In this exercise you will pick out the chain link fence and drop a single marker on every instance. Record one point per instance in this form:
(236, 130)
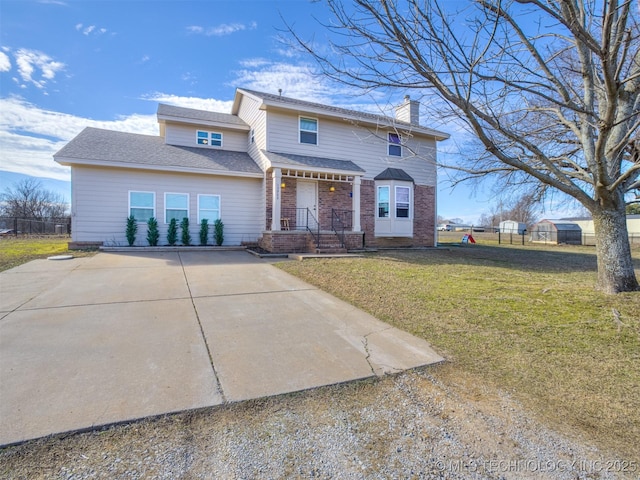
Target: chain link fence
(519, 239)
(15, 226)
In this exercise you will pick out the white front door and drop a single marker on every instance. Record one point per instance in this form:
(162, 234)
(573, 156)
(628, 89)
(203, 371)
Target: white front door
(306, 198)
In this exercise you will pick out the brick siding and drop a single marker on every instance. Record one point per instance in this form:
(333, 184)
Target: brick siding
(340, 199)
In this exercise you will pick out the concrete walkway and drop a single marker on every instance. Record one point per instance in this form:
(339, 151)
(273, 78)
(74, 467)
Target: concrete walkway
(120, 336)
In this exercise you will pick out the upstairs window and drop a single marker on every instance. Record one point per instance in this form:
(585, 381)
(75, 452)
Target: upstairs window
(142, 205)
(395, 147)
(211, 139)
(309, 130)
(176, 205)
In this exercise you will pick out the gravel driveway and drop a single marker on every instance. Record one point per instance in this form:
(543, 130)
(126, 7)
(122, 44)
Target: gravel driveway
(424, 423)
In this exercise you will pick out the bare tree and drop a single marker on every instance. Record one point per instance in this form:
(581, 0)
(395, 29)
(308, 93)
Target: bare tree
(550, 89)
(521, 209)
(28, 199)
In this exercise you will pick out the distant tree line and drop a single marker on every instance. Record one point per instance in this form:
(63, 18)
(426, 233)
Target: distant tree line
(28, 199)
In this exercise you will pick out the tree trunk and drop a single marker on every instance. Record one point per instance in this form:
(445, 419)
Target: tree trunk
(615, 265)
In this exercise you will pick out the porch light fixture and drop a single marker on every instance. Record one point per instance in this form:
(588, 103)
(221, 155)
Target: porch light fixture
(282, 185)
(332, 188)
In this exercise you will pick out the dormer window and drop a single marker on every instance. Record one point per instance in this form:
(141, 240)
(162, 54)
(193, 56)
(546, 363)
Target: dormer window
(309, 130)
(209, 139)
(395, 147)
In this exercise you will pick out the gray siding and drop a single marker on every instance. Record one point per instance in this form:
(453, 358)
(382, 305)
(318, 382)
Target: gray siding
(363, 146)
(250, 112)
(185, 135)
(101, 201)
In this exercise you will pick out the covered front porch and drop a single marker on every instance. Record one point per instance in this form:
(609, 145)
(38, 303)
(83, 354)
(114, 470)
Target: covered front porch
(312, 211)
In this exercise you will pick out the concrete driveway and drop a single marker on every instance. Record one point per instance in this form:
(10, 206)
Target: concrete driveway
(121, 336)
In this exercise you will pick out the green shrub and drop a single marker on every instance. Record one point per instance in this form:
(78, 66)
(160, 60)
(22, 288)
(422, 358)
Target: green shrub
(186, 236)
(204, 231)
(132, 229)
(172, 233)
(152, 232)
(218, 232)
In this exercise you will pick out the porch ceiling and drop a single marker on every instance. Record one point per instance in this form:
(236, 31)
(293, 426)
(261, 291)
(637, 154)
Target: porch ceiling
(333, 177)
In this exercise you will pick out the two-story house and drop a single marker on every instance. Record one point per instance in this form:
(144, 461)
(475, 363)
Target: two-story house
(288, 174)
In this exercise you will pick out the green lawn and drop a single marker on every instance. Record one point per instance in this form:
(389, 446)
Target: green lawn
(15, 251)
(523, 319)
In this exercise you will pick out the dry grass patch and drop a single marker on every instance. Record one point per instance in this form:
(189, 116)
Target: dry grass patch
(524, 320)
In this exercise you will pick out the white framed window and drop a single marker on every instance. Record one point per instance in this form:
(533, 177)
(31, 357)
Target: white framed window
(309, 130)
(176, 205)
(142, 205)
(383, 201)
(208, 207)
(394, 144)
(211, 139)
(403, 201)
(252, 136)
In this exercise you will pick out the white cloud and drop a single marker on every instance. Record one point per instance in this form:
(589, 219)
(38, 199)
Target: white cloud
(29, 135)
(226, 29)
(296, 80)
(30, 62)
(255, 62)
(5, 63)
(90, 29)
(195, 29)
(210, 104)
(221, 30)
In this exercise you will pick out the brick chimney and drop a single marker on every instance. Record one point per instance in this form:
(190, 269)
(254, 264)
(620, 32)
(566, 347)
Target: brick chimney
(409, 111)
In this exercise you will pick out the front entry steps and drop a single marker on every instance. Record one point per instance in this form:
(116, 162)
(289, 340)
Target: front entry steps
(329, 243)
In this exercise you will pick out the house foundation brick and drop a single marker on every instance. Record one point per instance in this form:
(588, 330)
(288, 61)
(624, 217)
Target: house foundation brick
(284, 241)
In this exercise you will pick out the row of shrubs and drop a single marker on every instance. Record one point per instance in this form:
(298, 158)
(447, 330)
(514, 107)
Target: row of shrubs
(153, 234)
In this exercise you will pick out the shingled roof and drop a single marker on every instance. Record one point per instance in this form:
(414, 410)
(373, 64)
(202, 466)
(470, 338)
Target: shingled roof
(205, 116)
(312, 107)
(394, 174)
(94, 146)
(300, 161)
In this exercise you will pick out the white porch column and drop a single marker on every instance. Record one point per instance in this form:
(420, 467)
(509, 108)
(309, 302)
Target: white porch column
(276, 199)
(355, 199)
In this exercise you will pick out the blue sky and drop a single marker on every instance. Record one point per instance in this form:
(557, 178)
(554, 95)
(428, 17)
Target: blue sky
(65, 65)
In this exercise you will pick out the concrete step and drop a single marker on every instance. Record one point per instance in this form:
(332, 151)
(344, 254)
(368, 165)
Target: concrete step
(330, 250)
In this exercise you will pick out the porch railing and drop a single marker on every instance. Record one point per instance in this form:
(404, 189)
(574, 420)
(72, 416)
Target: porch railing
(303, 219)
(341, 221)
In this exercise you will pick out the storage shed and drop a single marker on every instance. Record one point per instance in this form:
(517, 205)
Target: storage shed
(511, 226)
(552, 231)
